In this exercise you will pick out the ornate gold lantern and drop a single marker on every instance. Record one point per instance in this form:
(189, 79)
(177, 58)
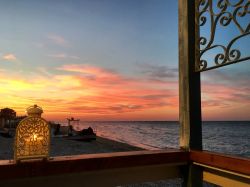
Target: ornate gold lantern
(32, 138)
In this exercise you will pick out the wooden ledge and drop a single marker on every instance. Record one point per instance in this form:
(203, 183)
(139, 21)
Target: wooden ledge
(221, 161)
(91, 162)
(105, 161)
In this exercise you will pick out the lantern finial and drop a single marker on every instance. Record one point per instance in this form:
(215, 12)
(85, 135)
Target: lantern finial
(34, 110)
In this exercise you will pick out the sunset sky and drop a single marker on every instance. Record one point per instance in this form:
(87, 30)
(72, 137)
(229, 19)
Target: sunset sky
(106, 60)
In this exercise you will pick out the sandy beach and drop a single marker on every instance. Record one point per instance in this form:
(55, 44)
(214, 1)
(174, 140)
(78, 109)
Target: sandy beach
(62, 146)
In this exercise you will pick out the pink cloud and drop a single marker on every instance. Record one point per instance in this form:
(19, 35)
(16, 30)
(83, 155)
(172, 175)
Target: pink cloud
(225, 102)
(84, 68)
(2, 70)
(89, 72)
(9, 57)
(116, 93)
(57, 39)
(64, 56)
(91, 92)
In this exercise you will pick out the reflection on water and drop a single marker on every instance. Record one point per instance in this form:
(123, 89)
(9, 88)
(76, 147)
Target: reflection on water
(225, 137)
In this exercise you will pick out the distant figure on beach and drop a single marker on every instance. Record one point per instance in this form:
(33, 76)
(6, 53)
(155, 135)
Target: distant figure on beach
(57, 130)
(70, 133)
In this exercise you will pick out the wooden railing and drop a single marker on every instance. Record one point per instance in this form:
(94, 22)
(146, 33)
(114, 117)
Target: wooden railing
(222, 170)
(112, 169)
(107, 169)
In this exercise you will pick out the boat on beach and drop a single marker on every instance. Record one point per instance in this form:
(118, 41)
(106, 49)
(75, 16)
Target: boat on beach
(69, 132)
(83, 135)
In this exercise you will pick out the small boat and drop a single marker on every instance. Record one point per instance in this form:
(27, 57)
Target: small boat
(80, 135)
(70, 133)
(83, 135)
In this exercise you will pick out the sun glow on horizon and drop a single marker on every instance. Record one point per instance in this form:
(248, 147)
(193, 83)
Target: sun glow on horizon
(104, 60)
(88, 93)
(109, 95)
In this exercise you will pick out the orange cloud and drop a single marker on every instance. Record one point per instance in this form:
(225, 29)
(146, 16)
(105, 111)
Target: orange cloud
(9, 57)
(88, 92)
(94, 93)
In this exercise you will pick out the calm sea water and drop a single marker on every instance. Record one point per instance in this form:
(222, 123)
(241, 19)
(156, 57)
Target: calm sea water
(224, 137)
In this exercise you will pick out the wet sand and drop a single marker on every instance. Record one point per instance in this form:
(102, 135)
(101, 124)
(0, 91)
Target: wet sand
(61, 146)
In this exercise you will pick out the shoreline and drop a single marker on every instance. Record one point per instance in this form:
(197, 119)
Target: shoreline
(62, 147)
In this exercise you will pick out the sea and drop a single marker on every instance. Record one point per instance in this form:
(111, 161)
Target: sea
(228, 137)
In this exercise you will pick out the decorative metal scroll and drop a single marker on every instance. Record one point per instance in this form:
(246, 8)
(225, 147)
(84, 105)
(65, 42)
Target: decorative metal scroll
(32, 139)
(226, 13)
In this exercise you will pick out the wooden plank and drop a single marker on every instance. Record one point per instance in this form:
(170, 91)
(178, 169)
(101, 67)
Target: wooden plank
(91, 162)
(225, 179)
(229, 163)
(103, 178)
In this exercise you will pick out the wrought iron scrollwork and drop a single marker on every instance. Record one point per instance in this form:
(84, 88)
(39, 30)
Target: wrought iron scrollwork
(227, 13)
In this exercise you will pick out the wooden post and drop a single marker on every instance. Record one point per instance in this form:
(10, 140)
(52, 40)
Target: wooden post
(189, 89)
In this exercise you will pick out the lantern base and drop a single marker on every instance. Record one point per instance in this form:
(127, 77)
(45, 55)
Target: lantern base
(31, 159)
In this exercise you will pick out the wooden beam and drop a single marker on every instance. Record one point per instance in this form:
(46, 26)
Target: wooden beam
(189, 80)
(230, 163)
(189, 89)
(224, 179)
(103, 178)
(91, 162)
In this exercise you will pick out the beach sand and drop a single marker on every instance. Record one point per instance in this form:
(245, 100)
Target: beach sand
(62, 146)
